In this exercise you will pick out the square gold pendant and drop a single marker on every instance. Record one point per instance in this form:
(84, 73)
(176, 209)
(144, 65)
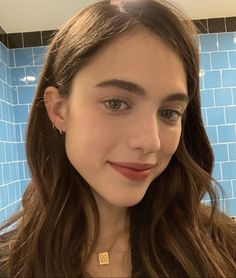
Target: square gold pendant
(103, 258)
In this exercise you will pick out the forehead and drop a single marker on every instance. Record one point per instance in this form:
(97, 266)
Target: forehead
(139, 56)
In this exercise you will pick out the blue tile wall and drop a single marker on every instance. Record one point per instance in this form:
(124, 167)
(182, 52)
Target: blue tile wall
(218, 100)
(19, 73)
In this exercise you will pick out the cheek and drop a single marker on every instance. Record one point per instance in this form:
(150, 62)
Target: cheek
(170, 141)
(90, 135)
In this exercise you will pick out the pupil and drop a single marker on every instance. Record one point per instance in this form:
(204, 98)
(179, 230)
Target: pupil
(115, 104)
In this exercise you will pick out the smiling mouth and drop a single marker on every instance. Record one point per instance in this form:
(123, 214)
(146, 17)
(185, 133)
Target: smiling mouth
(140, 172)
(134, 165)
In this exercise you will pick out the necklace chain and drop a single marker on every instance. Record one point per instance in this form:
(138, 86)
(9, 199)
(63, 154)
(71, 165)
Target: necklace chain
(103, 257)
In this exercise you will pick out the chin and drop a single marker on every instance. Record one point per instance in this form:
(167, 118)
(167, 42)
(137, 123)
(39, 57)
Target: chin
(126, 201)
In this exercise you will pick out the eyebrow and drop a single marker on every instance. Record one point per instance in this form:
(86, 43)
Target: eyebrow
(138, 90)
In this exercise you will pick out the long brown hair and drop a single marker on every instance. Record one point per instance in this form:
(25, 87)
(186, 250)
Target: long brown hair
(173, 234)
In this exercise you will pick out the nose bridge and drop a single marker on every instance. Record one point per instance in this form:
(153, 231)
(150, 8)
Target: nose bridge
(146, 134)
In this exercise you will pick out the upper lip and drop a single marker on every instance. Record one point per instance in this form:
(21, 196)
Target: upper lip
(134, 165)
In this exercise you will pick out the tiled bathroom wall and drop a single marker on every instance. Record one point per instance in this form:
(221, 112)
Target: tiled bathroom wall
(218, 98)
(10, 176)
(19, 71)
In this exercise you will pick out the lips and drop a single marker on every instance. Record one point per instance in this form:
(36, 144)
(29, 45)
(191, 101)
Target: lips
(133, 171)
(134, 166)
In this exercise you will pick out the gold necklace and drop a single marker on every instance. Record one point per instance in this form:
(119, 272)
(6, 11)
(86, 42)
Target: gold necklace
(103, 257)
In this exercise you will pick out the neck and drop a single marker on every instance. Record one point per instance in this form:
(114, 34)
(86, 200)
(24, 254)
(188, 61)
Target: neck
(113, 220)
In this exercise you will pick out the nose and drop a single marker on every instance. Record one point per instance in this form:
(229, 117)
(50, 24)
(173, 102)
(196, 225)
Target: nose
(145, 135)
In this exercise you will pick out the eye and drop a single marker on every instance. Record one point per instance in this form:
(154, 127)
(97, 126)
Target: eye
(116, 104)
(170, 114)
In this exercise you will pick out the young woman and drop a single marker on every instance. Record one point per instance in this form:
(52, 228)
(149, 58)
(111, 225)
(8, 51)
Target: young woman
(118, 155)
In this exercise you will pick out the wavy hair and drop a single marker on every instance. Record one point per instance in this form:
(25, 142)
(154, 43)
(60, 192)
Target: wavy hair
(172, 233)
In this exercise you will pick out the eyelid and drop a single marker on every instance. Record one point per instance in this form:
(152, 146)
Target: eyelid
(121, 100)
(179, 114)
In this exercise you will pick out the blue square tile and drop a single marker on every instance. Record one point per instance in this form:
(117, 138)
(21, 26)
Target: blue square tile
(18, 193)
(21, 113)
(14, 171)
(217, 171)
(9, 153)
(212, 134)
(11, 132)
(227, 133)
(227, 41)
(232, 59)
(229, 78)
(219, 60)
(12, 58)
(10, 210)
(232, 207)
(230, 113)
(39, 50)
(226, 186)
(18, 133)
(14, 96)
(3, 217)
(2, 152)
(21, 170)
(25, 94)
(208, 42)
(6, 172)
(1, 180)
(223, 97)
(3, 131)
(205, 62)
(5, 111)
(212, 79)
(7, 93)
(4, 195)
(220, 152)
(32, 74)
(229, 170)
(3, 76)
(24, 57)
(39, 60)
(234, 188)
(207, 98)
(18, 76)
(215, 116)
(5, 55)
(8, 75)
(12, 115)
(14, 152)
(234, 94)
(12, 193)
(232, 151)
(21, 151)
(23, 131)
(1, 116)
(14, 149)
(1, 90)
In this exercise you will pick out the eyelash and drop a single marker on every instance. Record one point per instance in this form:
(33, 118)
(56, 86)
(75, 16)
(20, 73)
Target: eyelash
(115, 99)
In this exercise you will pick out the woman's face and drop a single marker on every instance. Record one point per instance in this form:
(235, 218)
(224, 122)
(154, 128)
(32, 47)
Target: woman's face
(125, 107)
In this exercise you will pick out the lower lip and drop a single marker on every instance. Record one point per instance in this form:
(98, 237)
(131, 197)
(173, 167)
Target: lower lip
(131, 174)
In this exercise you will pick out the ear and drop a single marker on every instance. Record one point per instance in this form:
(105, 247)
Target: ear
(56, 107)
